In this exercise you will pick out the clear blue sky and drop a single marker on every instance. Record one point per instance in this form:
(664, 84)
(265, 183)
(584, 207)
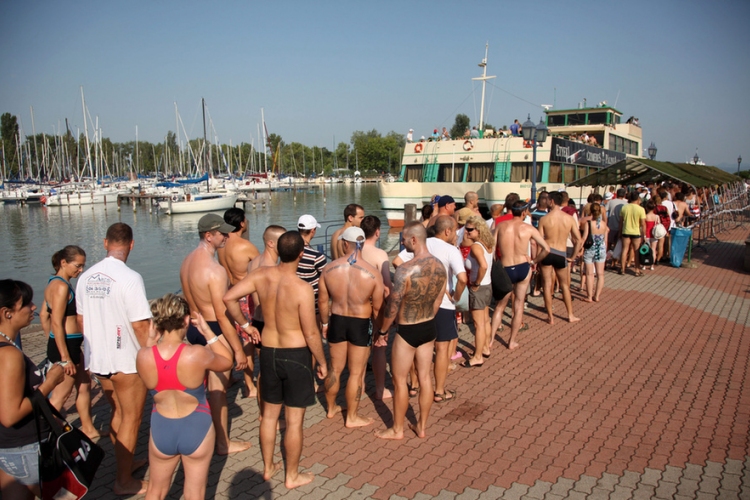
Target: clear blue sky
(325, 69)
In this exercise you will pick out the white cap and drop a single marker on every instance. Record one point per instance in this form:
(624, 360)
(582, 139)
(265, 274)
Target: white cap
(608, 195)
(411, 130)
(307, 222)
(353, 234)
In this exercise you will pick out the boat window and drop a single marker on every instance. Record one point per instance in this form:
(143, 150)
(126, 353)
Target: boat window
(481, 172)
(569, 172)
(520, 171)
(556, 120)
(413, 173)
(597, 118)
(446, 169)
(577, 119)
(555, 172)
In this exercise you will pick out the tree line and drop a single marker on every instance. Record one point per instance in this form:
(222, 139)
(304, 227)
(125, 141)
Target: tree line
(57, 157)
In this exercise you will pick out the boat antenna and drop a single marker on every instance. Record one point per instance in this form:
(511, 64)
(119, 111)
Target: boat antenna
(483, 79)
(205, 153)
(617, 99)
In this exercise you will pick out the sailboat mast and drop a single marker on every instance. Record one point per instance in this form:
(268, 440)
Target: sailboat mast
(86, 129)
(205, 152)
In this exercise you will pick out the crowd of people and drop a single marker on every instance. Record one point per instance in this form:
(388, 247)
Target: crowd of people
(270, 313)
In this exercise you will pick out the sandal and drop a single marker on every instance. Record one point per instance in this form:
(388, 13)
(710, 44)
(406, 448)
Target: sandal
(413, 392)
(524, 327)
(447, 396)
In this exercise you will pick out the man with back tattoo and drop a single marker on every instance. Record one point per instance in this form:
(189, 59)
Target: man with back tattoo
(418, 289)
(356, 292)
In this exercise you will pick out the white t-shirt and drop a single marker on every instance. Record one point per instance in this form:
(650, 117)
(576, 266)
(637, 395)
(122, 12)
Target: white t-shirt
(670, 209)
(111, 297)
(451, 258)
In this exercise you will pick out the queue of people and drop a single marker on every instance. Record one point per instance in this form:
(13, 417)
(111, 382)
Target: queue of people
(281, 305)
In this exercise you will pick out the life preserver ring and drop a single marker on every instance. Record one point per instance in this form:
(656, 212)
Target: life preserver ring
(468, 145)
(528, 144)
(418, 148)
(175, 197)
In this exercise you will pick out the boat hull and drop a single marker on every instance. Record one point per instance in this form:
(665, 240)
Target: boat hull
(199, 205)
(81, 198)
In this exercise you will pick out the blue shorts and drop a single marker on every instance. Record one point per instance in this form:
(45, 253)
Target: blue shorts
(22, 463)
(445, 324)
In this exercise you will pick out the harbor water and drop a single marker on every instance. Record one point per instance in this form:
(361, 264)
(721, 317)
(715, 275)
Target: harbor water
(29, 235)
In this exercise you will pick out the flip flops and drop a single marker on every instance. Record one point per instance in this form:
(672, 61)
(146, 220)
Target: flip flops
(445, 397)
(413, 392)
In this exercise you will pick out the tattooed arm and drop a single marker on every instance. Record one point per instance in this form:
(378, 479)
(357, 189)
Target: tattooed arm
(393, 304)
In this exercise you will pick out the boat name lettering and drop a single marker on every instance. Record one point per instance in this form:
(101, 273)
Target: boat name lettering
(562, 151)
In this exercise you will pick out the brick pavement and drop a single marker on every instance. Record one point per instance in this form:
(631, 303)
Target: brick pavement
(647, 397)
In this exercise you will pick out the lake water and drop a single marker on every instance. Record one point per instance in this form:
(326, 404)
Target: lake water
(29, 235)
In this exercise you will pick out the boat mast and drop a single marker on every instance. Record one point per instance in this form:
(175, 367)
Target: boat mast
(86, 130)
(483, 79)
(205, 152)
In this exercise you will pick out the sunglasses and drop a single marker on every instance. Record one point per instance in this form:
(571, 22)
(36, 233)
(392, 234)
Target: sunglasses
(470, 229)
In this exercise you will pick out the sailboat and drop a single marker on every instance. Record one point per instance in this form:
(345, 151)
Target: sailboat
(193, 199)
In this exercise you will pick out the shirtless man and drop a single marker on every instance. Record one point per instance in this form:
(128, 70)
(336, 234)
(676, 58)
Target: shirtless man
(204, 282)
(377, 258)
(356, 292)
(681, 208)
(443, 247)
(513, 237)
(418, 289)
(290, 340)
(236, 256)
(556, 227)
(268, 258)
(353, 215)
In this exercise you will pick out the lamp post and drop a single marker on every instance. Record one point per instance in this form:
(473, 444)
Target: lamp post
(652, 151)
(739, 160)
(536, 134)
(696, 158)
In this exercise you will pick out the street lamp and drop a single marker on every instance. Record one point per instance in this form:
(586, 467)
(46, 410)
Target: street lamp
(652, 151)
(739, 160)
(536, 134)
(696, 158)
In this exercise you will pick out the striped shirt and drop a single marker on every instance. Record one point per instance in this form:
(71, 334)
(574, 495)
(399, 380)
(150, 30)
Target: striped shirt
(310, 268)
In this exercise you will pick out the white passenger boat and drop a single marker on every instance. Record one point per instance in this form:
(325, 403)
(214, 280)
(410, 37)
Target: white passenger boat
(580, 141)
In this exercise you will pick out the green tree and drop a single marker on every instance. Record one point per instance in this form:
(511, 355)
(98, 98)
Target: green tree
(460, 125)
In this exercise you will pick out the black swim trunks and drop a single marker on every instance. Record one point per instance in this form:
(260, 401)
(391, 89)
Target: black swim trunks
(286, 376)
(556, 259)
(518, 273)
(419, 334)
(356, 331)
(74, 345)
(196, 338)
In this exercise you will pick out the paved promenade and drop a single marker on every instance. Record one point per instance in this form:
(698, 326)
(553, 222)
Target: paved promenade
(647, 397)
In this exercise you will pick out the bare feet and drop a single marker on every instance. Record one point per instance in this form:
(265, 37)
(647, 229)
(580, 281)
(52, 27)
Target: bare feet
(551, 320)
(135, 487)
(249, 392)
(596, 299)
(512, 345)
(352, 422)
(389, 434)
(269, 473)
(387, 394)
(93, 434)
(588, 299)
(234, 447)
(300, 480)
(419, 432)
(573, 319)
(332, 412)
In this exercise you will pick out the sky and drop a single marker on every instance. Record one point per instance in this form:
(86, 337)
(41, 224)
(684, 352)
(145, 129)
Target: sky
(322, 70)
